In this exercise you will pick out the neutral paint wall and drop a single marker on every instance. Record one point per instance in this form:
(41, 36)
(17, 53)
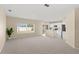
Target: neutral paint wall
(77, 28)
(69, 35)
(13, 21)
(2, 28)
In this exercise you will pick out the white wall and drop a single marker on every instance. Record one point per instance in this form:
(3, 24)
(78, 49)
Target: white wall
(2, 28)
(69, 35)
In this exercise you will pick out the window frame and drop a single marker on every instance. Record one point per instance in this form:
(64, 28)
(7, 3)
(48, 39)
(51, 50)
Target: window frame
(21, 24)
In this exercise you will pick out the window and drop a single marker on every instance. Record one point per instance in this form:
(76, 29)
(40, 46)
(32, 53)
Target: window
(25, 28)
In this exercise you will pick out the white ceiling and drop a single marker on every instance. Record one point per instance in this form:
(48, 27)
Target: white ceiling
(38, 11)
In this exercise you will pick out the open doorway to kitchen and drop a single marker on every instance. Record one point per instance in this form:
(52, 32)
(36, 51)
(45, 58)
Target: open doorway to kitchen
(57, 28)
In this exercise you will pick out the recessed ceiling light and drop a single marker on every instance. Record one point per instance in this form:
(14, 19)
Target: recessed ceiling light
(47, 5)
(10, 10)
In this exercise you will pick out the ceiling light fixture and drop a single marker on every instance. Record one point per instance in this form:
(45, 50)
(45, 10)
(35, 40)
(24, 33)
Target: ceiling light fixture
(10, 10)
(47, 5)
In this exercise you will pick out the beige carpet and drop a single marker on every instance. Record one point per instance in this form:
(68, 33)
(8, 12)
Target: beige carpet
(38, 45)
